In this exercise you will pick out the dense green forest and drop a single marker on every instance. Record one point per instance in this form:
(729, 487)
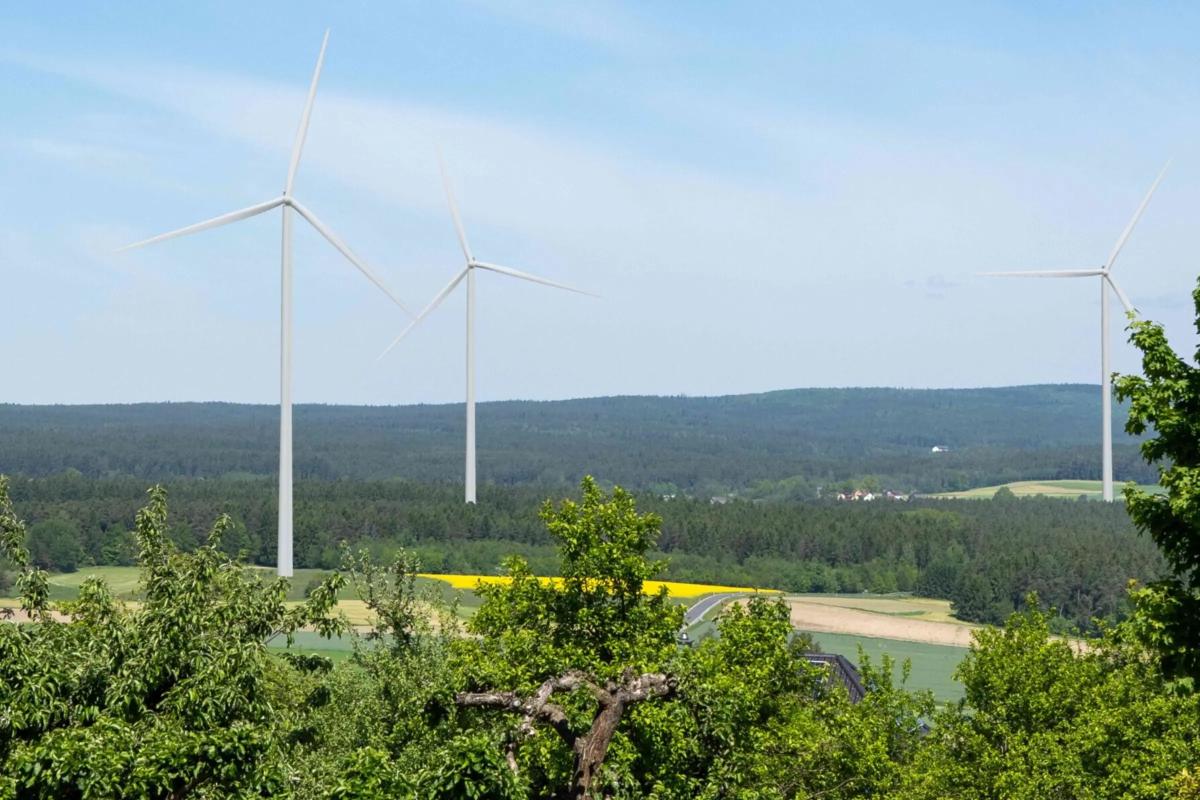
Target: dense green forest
(777, 445)
(983, 555)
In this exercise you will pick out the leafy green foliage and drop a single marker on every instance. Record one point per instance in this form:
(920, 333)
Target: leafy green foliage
(1044, 718)
(593, 638)
(753, 719)
(55, 544)
(597, 618)
(747, 715)
(382, 733)
(391, 595)
(571, 689)
(175, 698)
(1167, 400)
(472, 767)
(32, 582)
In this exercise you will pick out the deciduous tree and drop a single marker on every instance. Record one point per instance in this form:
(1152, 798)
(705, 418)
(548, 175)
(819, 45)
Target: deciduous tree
(572, 656)
(174, 698)
(1165, 400)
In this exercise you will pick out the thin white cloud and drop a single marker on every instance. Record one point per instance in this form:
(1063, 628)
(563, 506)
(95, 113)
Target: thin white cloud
(77, 152)
(512, 176)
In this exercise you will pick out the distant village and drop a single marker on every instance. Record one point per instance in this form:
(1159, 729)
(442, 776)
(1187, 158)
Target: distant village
(868, 490)
(861, 496)
(845, 495)
(869, 495)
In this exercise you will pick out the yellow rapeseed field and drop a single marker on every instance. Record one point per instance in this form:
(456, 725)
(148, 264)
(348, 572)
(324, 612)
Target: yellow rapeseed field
(675, 589)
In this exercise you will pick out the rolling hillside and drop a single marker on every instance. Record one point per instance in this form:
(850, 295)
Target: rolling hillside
(776, 444)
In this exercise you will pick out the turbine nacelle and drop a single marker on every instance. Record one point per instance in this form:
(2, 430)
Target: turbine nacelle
(471, 264)
(468, 272)
(286, 201)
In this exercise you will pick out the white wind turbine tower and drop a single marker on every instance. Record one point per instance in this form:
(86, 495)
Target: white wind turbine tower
(1104, 273)
(287, 202)
(468, 272)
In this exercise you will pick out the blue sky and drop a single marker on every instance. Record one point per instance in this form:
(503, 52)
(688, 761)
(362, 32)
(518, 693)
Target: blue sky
(766, 195)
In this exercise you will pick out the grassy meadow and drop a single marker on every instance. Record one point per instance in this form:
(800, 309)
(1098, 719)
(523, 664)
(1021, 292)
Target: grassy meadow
(933, 665)
(916, 629)
(891, 605)
(1069, 489)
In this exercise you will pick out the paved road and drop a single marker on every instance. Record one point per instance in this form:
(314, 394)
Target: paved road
(696, 611)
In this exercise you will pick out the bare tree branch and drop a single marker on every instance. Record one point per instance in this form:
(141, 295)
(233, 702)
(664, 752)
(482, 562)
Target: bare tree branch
(591, 748)
(537, 707)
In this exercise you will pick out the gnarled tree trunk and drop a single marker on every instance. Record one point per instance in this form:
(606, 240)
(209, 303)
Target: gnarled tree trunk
(591, 747)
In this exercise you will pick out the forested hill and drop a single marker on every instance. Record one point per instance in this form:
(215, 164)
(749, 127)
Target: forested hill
(780, 444)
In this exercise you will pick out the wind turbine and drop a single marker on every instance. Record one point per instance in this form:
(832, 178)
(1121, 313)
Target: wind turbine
(288, 203)
(468, 272)
(1104, 273)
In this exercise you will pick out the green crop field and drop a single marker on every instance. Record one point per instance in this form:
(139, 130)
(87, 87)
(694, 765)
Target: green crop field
(309, 643)
(123, 582)
(932, 665)
(1070, 490)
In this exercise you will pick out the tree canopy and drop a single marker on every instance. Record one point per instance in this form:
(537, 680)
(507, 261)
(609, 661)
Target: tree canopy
(175, 698)
(1166, 401)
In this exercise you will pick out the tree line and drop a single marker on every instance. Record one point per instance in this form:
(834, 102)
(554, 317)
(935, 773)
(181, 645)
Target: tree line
(985, 556)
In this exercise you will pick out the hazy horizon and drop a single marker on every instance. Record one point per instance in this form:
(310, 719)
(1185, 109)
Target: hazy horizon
(677, 395)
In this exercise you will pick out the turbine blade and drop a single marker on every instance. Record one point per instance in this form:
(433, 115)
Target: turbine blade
(1124, 298)
(437, 301)
(215, 222)
(302, 133)
(1047, 273)
(1137, 215)
(525, 276)
(458, 225)
(341, 247)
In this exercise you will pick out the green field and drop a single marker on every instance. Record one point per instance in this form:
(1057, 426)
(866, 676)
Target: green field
(932, 665)
(308, 642)
(1071, 490)
(123, 582)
